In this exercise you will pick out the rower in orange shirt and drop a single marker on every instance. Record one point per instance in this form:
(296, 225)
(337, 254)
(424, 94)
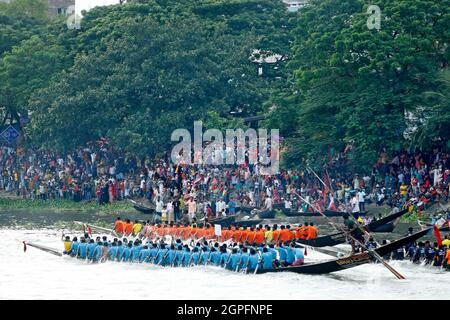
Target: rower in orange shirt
(252, 236)
(259, 238)
(276, 234)
(284, 234)
(312, 232)
(246, 235)
(305, 230)
(226, 234)
(291, 233)
(237, 235)
(128, 228)
(119, 226)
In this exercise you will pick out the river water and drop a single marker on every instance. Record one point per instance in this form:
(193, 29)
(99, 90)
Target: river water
(38, 275)
(35, 274)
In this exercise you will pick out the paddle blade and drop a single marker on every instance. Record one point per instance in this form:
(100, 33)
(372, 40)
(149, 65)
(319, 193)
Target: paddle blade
(24, 246)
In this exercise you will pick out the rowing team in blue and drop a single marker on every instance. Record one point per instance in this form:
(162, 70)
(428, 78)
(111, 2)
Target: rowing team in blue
(244, 257)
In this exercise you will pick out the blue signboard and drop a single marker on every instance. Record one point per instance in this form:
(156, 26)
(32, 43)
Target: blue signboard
(10, 134)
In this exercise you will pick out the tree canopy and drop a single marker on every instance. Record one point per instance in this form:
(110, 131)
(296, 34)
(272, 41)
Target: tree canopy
(135, 72)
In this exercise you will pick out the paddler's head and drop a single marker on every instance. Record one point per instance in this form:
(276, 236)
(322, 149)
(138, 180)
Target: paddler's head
(67, 238)
(91, 241)
(130, 244)
(105, 244)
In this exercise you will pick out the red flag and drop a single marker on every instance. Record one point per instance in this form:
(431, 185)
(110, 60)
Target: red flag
(24, 246)
(89, 231)
(419, 212)
(437, 235)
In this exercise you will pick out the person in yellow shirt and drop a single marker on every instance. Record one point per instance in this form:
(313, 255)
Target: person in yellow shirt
(403, 189)
(268, 235)
(67, 245)
(137, 227)
(446, 242)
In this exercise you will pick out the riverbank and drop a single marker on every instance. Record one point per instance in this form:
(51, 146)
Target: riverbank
(8, 204)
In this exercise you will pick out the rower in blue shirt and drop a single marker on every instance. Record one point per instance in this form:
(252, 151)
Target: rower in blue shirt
(97, 252)
(144, 254)
(127, 252)
(119, 252)
(215, 257)
(135, 252)
(82, 249)
(267, 262)
(195, 256)
(74, 247)
(253, 260)
(242, 264)
(161, 255)
(204, 256)
(112, 252)
(90, 249)
(283, 254)
(299, 256)
(179, 255)
(290, 256)
(234, 260)
(186, 257)
(153, 252)
(224, 256)
(171, 256)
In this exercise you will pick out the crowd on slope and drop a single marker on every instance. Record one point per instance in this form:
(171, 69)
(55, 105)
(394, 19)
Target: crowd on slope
(99, 172)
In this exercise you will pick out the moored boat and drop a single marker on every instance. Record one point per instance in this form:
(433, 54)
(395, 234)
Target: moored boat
(325, 241)
(247, 223)
(269, 214)
(141, 208)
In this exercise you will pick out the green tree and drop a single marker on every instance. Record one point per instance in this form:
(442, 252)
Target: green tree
(359, 84)
(145, 68)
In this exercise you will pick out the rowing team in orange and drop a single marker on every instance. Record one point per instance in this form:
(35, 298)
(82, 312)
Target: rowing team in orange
(256, 234)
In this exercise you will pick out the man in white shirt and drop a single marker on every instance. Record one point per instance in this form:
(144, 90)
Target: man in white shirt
(355, 204)
(287, 204)
(362, 200)
(220, 208)
(192, 209)
(268, 204)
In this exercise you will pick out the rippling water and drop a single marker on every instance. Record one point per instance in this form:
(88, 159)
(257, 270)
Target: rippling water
(39, 275)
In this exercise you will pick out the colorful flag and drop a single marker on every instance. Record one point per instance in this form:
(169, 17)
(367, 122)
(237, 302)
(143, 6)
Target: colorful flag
(437, 234)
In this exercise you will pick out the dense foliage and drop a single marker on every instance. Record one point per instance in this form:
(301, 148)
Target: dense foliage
(135, 72)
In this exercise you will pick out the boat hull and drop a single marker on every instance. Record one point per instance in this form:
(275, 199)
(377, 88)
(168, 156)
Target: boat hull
(348, 262)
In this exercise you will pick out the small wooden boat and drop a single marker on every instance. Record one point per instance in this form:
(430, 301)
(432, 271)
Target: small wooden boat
(325, 241)
(246, 209)
(269, 214)
(247, 223)
(384, 228)
(224, 222)
(386, 224)
(141, 208)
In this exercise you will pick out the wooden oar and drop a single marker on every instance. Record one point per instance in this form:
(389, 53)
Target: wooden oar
(371, 252)
(44, 248)
(110, 231)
